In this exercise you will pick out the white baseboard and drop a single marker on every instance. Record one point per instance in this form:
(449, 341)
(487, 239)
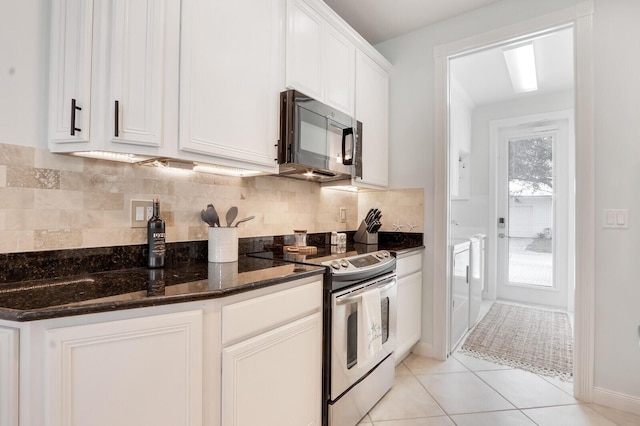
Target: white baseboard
(425, 349)
(617, 400)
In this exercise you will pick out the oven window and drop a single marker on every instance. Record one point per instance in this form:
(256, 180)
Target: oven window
(352, 331)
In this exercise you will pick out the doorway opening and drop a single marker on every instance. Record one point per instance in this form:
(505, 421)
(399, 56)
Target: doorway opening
(512, 171)
(581, 18)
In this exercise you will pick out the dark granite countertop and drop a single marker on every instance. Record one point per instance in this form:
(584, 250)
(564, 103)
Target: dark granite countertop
(42, 285)
(142, 287)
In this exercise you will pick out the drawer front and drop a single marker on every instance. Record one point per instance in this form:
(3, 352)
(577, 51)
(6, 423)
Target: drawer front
(410, 264)
(250, 317)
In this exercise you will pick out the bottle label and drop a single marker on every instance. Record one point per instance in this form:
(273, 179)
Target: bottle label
(158, 243)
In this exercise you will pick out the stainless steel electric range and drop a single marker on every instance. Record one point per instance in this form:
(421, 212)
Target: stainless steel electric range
(353, 384)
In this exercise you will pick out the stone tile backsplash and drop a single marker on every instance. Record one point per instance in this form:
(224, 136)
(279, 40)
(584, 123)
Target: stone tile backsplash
(52, 201)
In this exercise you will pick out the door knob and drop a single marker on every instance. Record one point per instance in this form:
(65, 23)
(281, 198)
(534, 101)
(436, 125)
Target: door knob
(501, 235)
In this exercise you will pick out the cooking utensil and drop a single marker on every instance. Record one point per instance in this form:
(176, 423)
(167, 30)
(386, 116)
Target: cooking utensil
(244, 220)
(206, 218)
(232, 213)
(212, 215)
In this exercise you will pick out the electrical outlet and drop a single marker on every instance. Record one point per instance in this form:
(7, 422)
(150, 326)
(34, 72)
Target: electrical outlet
(141, 212)
(343, 214)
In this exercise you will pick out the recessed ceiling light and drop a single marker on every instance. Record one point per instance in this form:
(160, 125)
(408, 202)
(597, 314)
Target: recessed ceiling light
(521, 64)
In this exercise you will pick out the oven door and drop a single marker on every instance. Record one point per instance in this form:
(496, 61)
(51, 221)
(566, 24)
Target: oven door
(346, 305)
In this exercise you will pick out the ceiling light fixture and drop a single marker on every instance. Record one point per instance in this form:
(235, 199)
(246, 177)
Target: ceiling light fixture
(521, 64)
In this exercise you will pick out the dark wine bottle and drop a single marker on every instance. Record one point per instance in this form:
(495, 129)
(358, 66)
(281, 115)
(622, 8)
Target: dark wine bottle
(155, 238)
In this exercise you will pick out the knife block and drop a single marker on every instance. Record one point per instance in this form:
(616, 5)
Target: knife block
(364, 237)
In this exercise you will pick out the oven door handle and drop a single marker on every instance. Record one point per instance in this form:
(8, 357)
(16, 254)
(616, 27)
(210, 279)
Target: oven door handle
(357, 295)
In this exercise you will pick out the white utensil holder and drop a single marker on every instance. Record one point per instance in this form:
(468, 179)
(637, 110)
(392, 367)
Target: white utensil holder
(222, 275)
(223, 244)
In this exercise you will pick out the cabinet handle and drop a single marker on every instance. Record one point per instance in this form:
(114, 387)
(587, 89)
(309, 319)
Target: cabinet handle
(74, 108)
(116, 123)
(347, 153)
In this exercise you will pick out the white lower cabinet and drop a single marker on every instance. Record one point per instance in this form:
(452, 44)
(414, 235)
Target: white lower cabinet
(272, 376)
(141, 371)
(253, 358)
(9, 364)
(409, 319)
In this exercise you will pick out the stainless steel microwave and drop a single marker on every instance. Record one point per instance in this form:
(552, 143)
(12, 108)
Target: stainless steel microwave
(317, 142)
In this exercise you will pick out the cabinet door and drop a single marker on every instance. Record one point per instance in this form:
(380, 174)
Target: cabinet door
(339, 73)
(275, 378)
(9, 360)
(229, 80)
(70, 70)
(142, 371)
(304, 41)
(409, 320)
(372, 109)
(144, 71)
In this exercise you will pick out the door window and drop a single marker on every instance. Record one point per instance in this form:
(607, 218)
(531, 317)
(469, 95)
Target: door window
(530, 211)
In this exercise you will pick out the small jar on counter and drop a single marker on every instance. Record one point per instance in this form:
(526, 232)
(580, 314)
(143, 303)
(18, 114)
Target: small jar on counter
(300, 238)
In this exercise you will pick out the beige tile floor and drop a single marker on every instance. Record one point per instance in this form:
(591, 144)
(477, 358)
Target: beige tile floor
(466, 391)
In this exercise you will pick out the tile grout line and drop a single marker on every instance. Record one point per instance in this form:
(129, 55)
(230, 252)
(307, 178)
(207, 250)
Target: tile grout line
(429, 393)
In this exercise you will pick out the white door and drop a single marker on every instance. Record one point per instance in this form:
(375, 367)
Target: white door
(70, 71)
(372, 109)
(304, 49)
(133, 372)
(144, 72)
(533, 214)
(9, 367)
(230, 81)
(339, 71)
(275, 378)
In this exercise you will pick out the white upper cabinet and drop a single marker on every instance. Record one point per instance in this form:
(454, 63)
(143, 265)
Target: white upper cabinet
(372, 109)
(118, 61)
(194, 80)
(199, 80)
(144, 71)
(230, 68)
(304, 41)
(320, 60)
(327, 60)
(340, 56)
(70, 71)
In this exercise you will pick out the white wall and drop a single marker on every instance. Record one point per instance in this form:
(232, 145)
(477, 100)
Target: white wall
(617, 138)
(24, 28)
(617, 130)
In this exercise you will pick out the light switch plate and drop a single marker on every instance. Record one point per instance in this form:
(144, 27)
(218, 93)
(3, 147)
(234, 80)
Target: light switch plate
(615, 218)
(343, 214)
(141, 212)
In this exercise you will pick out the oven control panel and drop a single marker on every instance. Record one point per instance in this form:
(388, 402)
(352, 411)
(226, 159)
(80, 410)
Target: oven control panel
(360, 263)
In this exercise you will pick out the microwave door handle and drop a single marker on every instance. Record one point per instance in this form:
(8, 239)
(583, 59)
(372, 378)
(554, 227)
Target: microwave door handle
(347, 132)
(354, 297)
